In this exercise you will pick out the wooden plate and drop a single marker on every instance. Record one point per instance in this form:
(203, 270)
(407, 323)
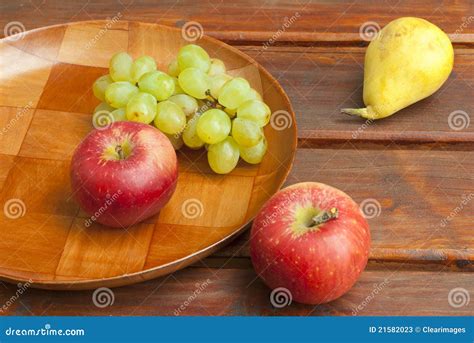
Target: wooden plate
(45, 110)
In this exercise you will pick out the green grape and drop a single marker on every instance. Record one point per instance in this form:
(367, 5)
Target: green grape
(193, 56)
(100, 85)
(170, 118)
(120, 67)
(173, 68)
(217, 67)
(177, 87)
(190, 136)
(213, 126)
(119, 93)
(233, 92)
(119, 114)
(194, 82)
(254, 154)
(158, 84)
(223, 156)
(216, 82)
(252, 94)
(103, 106)
(255, 110)
(141, 66)
(176, 140)
(141, 108)
(246, 132)
(187, 103)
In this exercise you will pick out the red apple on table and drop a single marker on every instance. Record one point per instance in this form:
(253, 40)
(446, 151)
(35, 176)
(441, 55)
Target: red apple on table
(124, 173)
(311, 239)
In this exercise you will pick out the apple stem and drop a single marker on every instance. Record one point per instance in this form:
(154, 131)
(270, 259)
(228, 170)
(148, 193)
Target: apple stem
(325, 216)
(119, 151)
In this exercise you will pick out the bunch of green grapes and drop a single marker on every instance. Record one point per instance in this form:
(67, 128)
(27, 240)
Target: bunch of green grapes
(196, 104)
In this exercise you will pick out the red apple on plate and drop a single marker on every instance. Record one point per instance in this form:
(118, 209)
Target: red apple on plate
(311, 239)
(123, 173)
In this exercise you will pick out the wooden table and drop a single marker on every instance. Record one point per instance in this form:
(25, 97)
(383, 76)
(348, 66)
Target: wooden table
(414, 166)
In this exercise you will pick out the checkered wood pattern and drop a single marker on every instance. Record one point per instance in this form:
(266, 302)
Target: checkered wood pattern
(45, 110)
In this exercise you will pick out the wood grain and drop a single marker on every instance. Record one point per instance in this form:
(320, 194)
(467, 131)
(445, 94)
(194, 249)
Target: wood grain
(9, 117)
(91, 44)
(42, 135)
(250, 21)
(320, 81)
(21, 84)
(46, 142)
(91, 253)
(73, 83)
(203, 291)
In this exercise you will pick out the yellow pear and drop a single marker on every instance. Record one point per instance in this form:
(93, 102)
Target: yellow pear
(408, 61)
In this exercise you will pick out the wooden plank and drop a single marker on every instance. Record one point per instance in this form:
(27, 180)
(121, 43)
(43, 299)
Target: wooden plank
(424, 200)
(254, 22)
(244, 262)
(200, 291)
(320, 81)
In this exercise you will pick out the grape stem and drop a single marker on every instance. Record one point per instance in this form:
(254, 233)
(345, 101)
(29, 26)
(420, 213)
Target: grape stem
(210, 103)
(208, 93)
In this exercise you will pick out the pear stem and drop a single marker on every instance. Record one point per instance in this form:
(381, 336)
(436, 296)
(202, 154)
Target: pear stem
(366, 112)
(360, 112)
